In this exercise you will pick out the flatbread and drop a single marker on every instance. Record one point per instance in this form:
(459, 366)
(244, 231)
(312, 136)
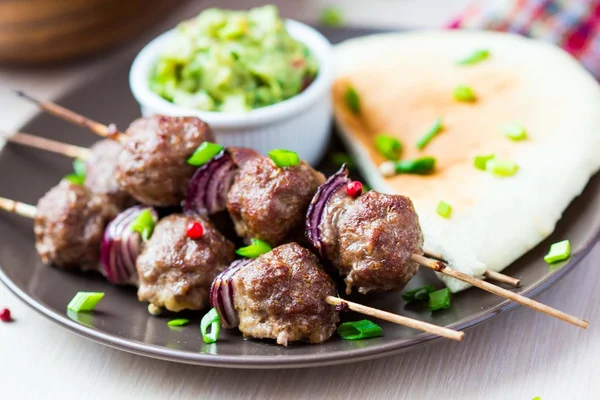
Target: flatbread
(406, 80)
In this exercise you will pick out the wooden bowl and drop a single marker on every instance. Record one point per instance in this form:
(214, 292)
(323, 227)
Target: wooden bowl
(45, 31)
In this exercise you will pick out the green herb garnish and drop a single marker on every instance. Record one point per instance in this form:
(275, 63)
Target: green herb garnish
(444, 209)
(204, 153)
(480, 162)
(331, 16)
(79, 176)
(340, 159)
(388, 146)
(433, 131)
(440, 299)
(359, 330)
(418, 294)
(465, 94)
(257, 248)
(420, 166)
(558, 252)
(144, 224)
(211, 320)
(476, 57)
(515, 131)
(85, 301)
(352, 100)
(501, 168)
(284, 158)
(178, 322)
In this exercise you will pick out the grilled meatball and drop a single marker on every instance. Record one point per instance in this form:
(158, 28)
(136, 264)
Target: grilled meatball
(281, 295)
(370, 240)
(100, 172)
(152, 166)
(175, 271)
(69, 226)
(268, 202)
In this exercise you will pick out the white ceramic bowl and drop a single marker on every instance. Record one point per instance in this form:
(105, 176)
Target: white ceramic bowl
(301, 123)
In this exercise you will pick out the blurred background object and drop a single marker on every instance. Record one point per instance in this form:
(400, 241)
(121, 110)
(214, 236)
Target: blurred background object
(47, 31)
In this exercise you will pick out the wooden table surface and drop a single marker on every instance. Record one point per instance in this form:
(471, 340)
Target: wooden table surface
(518, 355)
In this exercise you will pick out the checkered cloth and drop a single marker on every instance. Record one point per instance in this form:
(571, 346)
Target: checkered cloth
(572, 24)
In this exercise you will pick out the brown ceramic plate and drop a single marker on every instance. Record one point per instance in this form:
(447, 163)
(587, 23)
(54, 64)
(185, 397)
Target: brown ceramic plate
(122, 322)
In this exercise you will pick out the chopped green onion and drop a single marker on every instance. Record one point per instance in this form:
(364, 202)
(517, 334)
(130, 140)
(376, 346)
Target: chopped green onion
(481, 161)
(85, 301)
(359, 330)
(331, 16)
(76, 179)
(284, 158)
(204, 153)
(515, 131)
(79, 167)
(211, 320)
(352, 100)
(340, 159)
(444, 209)
(440, 299)
(257, 248)
(558, 252)
(475, 57)
(418, 294)
(388, 146)
(143, 224)
(420, 166)
(464, 93)
(501, 167)
(178, 322)
(433, 131)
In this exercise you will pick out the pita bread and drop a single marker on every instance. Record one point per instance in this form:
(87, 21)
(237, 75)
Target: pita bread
(405, 81)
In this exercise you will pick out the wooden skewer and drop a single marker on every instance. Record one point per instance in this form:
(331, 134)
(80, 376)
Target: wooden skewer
(493, 275)
(440, 267)
(25, 210)
(51, 145)
(397, 319)
(110, 131)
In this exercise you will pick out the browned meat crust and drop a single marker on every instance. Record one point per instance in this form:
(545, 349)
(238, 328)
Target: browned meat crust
(281, 295)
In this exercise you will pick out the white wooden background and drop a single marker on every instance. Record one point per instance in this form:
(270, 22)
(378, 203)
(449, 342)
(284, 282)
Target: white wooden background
(516, 356)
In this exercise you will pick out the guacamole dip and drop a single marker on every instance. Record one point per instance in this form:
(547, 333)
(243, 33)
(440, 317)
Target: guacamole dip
(233, 61)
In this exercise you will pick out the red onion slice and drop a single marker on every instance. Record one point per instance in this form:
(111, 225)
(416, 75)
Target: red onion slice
(222, 294)
(121, 247)
(208, 187)
(316, 210)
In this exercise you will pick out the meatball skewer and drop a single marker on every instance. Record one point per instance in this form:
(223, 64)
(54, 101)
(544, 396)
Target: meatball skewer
(375, 242)
(152, 165)
(100, 163)
(285, 295)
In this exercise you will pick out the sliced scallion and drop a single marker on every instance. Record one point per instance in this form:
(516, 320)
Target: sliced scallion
(515, 131)
(352, 100)
(143, 224)
(255, 249)
(211, 320)
(480, 162)
(501, 168)
(178, 322)
(559, 251)
(440, 299)
(444, 209)
(419, 166)
(78, 177)
(85, 301)
(359, 330)
(331, 16)
(284, 158)
(433, 131)
(340, 159)
(476, 57)
(464, 93)
(388, 146)
(204, 153)
(418, 294)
